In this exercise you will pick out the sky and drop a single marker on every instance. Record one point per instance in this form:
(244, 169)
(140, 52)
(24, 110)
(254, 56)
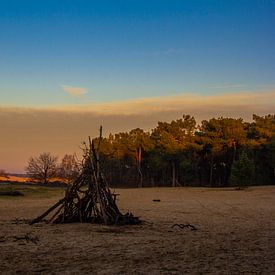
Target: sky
(67, 66)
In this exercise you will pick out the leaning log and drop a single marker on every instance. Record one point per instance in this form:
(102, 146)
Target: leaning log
(45, 214)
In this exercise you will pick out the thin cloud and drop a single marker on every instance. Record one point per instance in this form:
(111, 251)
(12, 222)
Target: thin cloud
(186, 102)
(74, 91)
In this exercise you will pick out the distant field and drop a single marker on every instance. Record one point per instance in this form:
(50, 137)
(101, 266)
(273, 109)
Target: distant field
(13, 179)
(236, 234)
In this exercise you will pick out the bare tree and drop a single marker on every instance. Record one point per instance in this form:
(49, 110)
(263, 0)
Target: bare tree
(3, 173)
(69, 168)
(42, 168)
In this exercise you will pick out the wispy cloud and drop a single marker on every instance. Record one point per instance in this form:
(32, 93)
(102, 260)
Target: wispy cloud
(229, 104)
(74, 91)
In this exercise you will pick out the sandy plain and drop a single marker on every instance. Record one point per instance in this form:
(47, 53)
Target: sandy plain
(236, 235)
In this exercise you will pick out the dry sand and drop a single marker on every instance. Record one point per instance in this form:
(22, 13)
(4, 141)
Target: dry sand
(236, 234)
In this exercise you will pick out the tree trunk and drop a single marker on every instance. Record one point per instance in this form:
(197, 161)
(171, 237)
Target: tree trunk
(211, 172)
(173, 174)
(140, 183)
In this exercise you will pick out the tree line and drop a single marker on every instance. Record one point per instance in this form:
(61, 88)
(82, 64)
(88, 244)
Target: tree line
(218, 152)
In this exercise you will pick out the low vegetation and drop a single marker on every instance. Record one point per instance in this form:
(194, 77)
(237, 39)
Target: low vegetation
(13, 193)
(29, 191)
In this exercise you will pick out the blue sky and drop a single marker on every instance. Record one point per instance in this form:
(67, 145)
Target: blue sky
(79, 64)
(120, 50)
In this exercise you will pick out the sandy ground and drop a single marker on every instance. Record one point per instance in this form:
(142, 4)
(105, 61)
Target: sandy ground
(236, 234)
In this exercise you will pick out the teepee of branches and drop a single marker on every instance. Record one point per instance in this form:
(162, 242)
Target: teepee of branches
(89, 198)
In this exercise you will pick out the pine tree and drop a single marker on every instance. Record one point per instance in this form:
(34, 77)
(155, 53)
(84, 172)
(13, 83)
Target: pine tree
(242, 171)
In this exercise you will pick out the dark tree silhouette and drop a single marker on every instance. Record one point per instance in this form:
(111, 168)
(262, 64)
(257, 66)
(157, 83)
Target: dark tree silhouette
(69, 168)
(242, 171)
(42, 168)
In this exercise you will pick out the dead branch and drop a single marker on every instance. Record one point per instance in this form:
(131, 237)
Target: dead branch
(182, 226)
(39, 218)
(28, 237)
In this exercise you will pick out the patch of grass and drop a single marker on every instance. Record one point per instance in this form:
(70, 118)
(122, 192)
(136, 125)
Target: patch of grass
(30, 191)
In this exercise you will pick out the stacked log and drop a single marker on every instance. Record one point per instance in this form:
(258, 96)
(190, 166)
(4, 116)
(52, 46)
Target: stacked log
(89, 198)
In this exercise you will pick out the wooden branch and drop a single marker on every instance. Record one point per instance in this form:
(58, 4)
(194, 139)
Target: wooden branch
(38, 219)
